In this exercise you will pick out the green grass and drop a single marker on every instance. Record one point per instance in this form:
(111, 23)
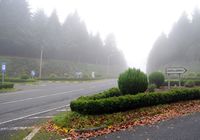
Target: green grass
(73, 120)
(19, 135)
(43, 135)
(8, 90)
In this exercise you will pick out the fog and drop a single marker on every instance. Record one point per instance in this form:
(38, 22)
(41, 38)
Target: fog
(135, 24)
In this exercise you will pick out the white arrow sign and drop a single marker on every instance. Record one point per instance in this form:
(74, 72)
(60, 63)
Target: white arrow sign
(175, 70)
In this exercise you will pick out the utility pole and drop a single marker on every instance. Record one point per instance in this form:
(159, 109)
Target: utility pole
(41, 59)
(108, 63)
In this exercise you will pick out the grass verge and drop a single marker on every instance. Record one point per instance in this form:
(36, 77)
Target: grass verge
(8, 90)
(74, 125)
(19, 135)
(44, 135)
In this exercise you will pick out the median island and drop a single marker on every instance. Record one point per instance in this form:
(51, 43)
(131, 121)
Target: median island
(135, 102)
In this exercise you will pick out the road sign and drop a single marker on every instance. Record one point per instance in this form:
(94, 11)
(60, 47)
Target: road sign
(175, 70)
(3, 67)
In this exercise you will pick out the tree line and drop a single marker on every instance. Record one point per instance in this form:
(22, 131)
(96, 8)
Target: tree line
(181, 47)
(24, 34)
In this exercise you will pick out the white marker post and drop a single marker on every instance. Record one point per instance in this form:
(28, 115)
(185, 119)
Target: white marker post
(3, 69)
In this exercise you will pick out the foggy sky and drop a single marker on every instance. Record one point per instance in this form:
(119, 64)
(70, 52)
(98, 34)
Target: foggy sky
(136, 24)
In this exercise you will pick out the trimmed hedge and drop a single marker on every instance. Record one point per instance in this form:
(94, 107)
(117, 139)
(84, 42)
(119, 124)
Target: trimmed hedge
(68, 79)
(127, 102)
(6, 85)
(113, 92)
(176, 82)
(18, 80)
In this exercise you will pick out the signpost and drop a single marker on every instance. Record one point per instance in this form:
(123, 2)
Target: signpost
(175, 70)
(3, 70)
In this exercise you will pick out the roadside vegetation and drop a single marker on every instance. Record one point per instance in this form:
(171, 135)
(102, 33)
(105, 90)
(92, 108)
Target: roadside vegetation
(135, 102)
(6, 87)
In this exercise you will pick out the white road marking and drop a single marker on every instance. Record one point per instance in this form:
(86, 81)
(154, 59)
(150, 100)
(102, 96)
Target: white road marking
(40, 97)
(62, 110)
(15, 128)
(34, 114)
(32, 134)
(40, 117)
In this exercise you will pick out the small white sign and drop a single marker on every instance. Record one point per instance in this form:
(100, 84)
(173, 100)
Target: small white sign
(3, 67)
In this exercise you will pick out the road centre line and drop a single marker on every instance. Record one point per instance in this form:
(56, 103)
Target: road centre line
(40, 97)
(55, 94)
(14, 128)
(34, 114)
(40, 117)
(41, 112)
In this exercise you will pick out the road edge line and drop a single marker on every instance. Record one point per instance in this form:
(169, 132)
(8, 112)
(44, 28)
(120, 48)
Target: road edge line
(32, 134)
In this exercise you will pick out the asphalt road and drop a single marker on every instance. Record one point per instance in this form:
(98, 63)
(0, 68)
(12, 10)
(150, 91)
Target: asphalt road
(43, 98)
(181, 128)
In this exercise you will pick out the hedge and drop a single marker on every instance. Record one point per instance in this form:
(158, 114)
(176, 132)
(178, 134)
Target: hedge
(176, 82)
(6, 85)
(127, 102)
(18, 80)
(113, 92)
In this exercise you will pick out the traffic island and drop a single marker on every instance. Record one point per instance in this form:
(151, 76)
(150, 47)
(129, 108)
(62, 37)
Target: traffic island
(74, 125)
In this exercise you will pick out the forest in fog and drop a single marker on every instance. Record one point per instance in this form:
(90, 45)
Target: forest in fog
(181, 47)
(23, 34)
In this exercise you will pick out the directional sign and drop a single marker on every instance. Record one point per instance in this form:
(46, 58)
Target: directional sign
(3, 67)
(175, 70)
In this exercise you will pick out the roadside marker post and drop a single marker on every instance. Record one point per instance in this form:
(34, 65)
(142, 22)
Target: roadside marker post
(175, 71)
(3, 70)
(32, 74)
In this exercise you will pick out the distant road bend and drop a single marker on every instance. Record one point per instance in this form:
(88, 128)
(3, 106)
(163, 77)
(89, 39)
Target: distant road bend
(45, 97)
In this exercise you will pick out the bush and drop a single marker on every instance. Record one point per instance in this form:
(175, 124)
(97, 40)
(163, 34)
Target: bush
(53, 75)
(24, 77)
(127, 102)
(132, 81)
(151, 88)
(174, 83)
(18, 80)
(6, 85)
(156, 78)
(113, 92)
(189, 83)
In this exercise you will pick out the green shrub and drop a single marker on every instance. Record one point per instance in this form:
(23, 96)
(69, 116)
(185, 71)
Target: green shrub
(156, 78)
(53, 75)
(132, 81)
(151, 87)
(197, 82)
(174, 83)
(113, 92)
(189, 83)
(18, 80)
(127, 102)
(24, 77)
(6, 85)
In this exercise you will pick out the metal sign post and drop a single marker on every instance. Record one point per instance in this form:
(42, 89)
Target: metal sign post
(175, 70)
